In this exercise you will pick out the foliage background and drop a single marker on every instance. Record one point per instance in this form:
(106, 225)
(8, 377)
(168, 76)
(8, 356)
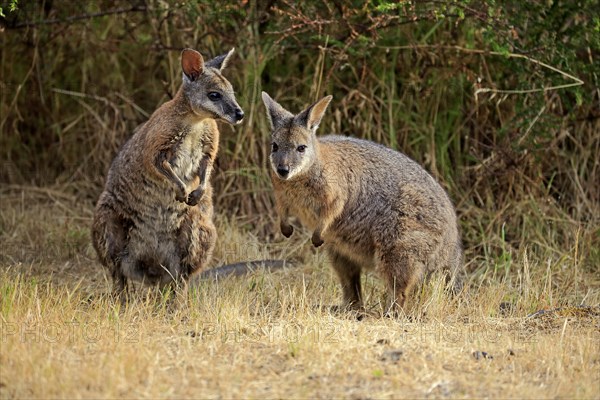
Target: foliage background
(425, 77)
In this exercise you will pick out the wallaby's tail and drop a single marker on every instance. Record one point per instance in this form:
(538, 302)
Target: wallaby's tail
(243, 268)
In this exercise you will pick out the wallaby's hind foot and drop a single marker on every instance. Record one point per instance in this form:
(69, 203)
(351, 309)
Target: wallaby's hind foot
(358, 313)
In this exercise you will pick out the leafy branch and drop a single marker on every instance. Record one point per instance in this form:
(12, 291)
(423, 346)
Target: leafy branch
(12, 7)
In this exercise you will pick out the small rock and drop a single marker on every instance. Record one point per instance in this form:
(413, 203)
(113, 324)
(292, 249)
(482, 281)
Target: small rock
(478, 355)
(440, 389)
(505, 308)
(511, 352)
(383, 341)
(392, 355)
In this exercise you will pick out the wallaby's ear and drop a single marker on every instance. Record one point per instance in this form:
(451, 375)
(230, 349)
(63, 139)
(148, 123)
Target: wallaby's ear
(311, 117)
(220, 62)
(192, 64)
(276, 113)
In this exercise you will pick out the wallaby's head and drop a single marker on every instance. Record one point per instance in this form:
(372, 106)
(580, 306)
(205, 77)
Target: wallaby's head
(210, 95)
(294, 140)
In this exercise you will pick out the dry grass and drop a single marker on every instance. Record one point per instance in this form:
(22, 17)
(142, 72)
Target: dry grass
(273, 335)
(522, 170)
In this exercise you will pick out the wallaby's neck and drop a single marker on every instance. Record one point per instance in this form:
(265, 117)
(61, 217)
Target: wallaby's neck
(174, 118)
(180, 108)
(318, 165)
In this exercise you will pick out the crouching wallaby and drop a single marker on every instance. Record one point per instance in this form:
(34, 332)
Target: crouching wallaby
(154, 220)
(371, 206)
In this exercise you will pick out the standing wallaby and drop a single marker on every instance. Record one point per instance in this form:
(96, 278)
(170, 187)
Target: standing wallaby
(154, 220)
(371, 205)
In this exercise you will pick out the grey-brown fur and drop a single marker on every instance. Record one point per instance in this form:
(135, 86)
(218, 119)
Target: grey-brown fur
(373, 207)
(154, 220)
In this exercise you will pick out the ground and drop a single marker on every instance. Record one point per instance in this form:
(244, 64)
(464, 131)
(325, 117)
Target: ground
(276, 334)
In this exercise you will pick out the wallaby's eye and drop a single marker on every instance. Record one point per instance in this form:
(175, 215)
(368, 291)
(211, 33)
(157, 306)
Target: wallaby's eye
(274, 147)
(214, 96)
(301, 148)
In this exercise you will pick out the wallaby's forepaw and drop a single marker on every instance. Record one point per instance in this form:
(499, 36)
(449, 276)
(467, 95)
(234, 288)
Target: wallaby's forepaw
(286, 229)
(317, 240)
(194, 197)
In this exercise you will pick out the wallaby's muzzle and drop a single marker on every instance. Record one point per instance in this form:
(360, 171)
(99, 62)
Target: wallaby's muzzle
(233, 114)
(239, 115)
(282, 171)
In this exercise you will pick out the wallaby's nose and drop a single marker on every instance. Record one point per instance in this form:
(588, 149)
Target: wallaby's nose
(283, 171)
(239, 114)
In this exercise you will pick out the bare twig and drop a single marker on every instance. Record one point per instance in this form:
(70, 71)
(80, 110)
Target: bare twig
(132, 104)
(576, 81)
(27, 24)
(82, 95)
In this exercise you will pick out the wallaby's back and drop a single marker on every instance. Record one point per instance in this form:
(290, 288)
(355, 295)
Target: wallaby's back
(389, 199)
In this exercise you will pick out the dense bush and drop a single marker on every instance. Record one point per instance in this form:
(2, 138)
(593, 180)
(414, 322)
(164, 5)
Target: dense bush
(486, 95)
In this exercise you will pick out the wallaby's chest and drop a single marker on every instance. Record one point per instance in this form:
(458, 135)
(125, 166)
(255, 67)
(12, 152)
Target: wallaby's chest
(305, 203)
(188, 152)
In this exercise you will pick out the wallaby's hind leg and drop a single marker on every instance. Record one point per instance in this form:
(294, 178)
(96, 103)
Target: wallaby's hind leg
(120, 282)
(196, 241)
(401, 272)
(109, 236)
(349, 273)
(121, 287)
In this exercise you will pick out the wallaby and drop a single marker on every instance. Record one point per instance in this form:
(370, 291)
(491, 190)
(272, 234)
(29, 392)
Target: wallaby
(154, 220)
(371, 205)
